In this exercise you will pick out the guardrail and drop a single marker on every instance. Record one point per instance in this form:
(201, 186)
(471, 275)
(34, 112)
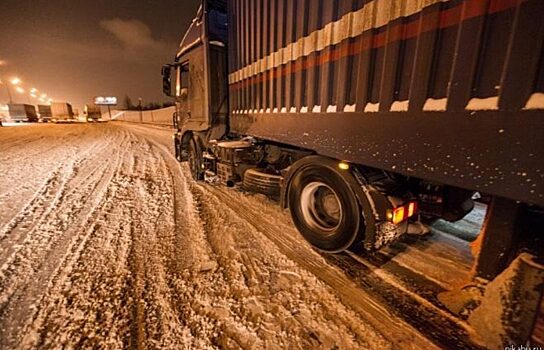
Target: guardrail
(159, 116)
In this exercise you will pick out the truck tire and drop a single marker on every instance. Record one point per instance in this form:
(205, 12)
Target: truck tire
(195, 159)
(324, 208)
(258, 181)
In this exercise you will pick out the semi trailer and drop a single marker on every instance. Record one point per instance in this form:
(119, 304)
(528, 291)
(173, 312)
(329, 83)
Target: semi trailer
(365, 117)
(92, 113)
(45, 113)
(62, 112)
(22, 113)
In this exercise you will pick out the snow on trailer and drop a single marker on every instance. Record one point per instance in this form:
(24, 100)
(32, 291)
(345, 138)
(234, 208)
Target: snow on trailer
(373, 115)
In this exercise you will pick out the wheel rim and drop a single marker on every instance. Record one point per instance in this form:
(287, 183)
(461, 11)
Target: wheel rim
(321, 208)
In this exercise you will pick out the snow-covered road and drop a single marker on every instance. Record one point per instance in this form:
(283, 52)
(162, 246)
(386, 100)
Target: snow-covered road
(106, 242)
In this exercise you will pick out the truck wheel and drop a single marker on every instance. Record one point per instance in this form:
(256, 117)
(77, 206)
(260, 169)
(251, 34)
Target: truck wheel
(195, 159)
(324, 208)
(261, 182)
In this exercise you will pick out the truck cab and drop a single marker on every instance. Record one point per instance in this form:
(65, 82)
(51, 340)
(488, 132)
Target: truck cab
(198, 80)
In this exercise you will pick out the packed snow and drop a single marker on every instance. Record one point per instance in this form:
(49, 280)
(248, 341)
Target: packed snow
(106, 242)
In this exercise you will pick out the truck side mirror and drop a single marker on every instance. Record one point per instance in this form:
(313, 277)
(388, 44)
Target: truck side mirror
(167, 80)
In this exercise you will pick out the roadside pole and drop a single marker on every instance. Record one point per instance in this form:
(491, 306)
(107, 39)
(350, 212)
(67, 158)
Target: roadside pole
(109, 111)
(140, 107)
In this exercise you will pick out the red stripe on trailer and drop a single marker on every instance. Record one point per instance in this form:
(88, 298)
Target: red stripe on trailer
(502, 5)
(366, 41)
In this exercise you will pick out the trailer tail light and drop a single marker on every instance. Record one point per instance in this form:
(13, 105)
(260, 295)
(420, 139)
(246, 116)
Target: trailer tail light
(402, 213)
(398, 215)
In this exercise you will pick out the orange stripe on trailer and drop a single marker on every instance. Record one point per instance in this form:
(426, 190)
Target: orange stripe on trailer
(403, 31)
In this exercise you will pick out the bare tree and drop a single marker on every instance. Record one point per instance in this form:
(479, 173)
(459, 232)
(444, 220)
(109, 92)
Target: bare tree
(128, 103)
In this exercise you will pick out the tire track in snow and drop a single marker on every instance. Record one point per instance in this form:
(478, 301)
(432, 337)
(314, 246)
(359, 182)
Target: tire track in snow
(48, 203)
(439, 325)
(34, 203)
(45, 330)
(186, 256)
(196, 269)
(388, 324)
(140, 184)
(212, 226)
(43, 256)
(258, 272)
(40, 196)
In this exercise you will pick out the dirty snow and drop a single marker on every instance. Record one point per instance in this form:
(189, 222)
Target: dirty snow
(105, 242)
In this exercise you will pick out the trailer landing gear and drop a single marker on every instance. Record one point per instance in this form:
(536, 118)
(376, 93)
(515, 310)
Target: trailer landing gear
(509, 273)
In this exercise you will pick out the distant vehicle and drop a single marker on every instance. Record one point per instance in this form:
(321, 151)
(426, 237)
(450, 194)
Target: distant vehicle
(22, 113)
(44, 112)
(92, 113)
(62, 112)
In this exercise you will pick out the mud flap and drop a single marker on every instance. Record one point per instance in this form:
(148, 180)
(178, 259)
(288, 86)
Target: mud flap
(381, 232)
(509, 306)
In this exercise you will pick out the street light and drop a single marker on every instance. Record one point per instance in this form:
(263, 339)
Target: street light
(33, 90)
(15, 81)
(20, 90)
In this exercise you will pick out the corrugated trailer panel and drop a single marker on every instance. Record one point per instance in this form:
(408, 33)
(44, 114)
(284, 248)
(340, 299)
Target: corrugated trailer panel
(450, 91)
(22, 112)
(62, 111)
(45, 112)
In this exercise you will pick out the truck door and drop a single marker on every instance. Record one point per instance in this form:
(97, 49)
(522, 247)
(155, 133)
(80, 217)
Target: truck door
(182, 93)
(192, 95)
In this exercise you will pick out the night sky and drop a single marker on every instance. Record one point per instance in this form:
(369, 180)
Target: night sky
(74, 50)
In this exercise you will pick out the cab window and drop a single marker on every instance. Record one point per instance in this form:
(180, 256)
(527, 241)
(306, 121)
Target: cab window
(182, 82)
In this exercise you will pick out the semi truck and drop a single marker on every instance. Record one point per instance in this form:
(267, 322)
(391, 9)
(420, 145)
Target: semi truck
(45, 113)
(62, 112)
(366, 117)
(92, 113)
(22, 113)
